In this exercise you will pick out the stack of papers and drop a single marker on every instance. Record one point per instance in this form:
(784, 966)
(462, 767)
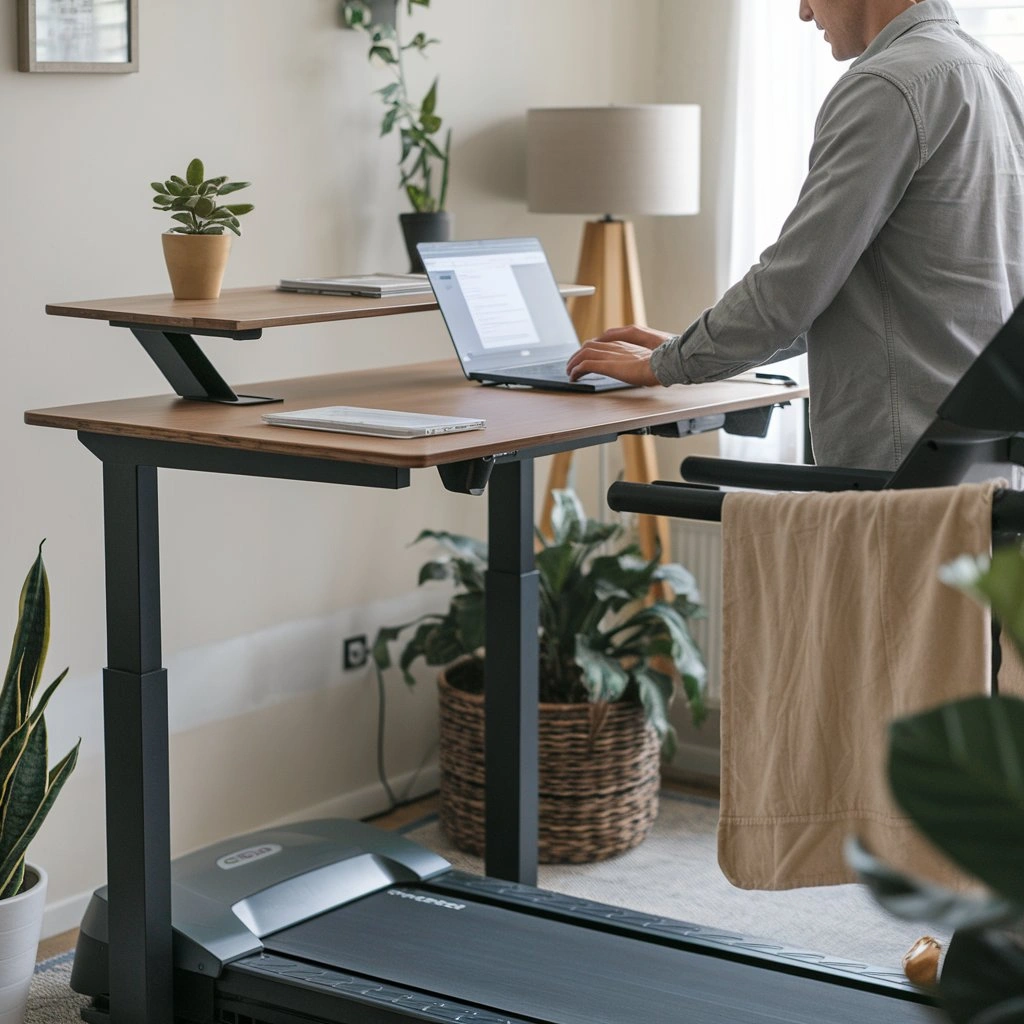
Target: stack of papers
(376, 286)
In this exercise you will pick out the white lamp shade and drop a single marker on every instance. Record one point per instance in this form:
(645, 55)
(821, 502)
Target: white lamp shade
(614, 160)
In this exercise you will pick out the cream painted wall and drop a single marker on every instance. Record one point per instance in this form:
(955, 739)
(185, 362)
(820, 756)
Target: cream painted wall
(278, 94)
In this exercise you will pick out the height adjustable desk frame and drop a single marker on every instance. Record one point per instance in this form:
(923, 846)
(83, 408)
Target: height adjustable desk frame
(135, 682)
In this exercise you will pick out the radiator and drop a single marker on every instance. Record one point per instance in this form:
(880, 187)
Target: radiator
(698, 547)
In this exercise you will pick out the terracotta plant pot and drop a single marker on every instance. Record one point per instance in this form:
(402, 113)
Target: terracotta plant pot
(21, 920)
(598, 793)
(195, 263)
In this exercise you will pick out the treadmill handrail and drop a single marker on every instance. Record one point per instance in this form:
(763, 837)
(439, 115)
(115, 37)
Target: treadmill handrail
(701, 469)
(704, 503)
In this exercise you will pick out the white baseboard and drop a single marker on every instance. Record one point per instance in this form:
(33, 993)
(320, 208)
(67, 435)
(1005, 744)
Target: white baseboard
(63, 915)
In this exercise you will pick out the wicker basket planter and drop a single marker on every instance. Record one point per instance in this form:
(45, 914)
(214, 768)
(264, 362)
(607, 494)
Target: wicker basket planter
(598, 797)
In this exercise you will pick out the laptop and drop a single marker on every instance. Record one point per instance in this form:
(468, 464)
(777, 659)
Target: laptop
(505, 315)
(347, 419)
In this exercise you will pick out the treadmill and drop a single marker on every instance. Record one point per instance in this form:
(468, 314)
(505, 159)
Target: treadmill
(341, 922)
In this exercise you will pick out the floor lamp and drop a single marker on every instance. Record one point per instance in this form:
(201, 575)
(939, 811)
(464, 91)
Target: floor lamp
(634, 160)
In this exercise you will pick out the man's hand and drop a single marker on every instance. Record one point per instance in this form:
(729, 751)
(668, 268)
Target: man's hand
(622, 352)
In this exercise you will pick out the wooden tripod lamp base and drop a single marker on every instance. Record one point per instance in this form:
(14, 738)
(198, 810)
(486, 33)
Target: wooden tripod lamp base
(608, 261)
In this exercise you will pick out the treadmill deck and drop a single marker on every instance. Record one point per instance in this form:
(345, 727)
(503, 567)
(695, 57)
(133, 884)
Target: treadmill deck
(465, 954)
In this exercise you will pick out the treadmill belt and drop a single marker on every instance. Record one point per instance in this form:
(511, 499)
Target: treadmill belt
(528, 966)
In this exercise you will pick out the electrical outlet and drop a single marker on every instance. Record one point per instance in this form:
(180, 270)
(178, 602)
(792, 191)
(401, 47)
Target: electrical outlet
(355, 652)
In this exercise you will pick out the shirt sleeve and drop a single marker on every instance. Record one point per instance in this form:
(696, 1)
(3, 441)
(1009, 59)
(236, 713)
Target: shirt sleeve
(867, 148)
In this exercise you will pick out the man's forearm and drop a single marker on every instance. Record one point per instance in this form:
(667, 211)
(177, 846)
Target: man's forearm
(695, 356)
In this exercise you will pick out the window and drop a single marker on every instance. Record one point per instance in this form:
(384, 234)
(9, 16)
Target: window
(999, 24)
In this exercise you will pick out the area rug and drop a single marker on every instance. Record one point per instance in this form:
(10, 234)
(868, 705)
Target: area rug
(51, 1000)
(674, 873)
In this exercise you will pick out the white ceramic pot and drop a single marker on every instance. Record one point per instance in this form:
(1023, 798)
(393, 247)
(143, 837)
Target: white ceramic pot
(21, 920)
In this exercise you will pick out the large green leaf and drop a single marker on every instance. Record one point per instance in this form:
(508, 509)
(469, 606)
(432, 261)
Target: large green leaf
(682, 582)
(14, 746)
(598, 533)
(655, 689)
(14, 881)
(465, 547)
(26, 789)
(417, 645)
(982, 979)
(11, 751)
(568, 520)
(443, 644)
(28, 650)
(604, 677)
(997, 581)
(12, 862)
(914, 900)
(555, 565)
(620, 578)
(468, 611)
(958, 771)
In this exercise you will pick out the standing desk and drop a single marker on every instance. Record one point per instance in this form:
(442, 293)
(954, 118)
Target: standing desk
(220, 432)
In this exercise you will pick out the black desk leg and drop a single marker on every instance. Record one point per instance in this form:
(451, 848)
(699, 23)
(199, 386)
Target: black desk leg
(510, 677)
(135, 738)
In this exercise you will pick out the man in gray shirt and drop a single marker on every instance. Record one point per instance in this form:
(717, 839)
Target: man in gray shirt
(904, 253)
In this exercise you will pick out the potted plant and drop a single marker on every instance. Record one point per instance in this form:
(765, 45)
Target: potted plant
(196, 249)
(423, 164)
(27, 792)
(958, 772)
(609, 665)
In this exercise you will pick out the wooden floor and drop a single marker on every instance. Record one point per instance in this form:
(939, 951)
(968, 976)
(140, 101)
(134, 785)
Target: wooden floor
(58, 944)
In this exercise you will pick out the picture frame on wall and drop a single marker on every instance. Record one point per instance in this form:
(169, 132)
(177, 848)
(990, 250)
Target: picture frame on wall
(78, 35)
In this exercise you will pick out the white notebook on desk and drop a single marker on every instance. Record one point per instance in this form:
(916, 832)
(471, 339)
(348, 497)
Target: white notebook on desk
(350, 419)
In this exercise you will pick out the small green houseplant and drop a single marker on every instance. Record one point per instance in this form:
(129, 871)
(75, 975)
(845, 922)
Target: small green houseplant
(423, 162)
(958, 772)
(196, 248)
(601, 646)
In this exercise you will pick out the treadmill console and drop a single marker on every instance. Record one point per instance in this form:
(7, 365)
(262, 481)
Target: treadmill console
(226, 897)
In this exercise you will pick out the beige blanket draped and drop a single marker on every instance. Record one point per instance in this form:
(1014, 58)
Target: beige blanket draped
(834, 623)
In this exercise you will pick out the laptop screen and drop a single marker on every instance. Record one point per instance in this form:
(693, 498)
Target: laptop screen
(500, 301)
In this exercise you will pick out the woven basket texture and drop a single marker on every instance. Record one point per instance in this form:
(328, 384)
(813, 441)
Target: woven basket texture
(598, 794)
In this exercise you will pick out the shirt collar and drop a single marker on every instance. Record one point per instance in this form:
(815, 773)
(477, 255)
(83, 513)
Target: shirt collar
(921, 12)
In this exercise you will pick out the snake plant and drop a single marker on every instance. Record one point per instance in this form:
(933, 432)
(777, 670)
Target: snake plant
(27, 788)
(599, 641)
(193, 201)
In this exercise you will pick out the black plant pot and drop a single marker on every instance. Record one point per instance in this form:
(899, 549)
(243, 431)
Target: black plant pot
(424, 227)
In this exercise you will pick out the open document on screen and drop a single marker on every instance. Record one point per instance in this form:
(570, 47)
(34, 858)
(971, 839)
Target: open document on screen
(505, 314)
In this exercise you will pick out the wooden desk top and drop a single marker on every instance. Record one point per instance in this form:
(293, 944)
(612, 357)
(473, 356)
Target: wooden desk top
(249, 309)
(516, 418)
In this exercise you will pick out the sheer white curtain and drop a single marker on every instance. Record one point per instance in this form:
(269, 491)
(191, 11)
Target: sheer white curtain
(998, 24)
(785, 71)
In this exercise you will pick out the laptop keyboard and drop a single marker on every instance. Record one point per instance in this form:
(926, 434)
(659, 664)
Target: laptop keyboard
(544, 371)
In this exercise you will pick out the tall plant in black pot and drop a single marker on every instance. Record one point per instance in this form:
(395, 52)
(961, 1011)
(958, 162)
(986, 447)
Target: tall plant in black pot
(423, 163)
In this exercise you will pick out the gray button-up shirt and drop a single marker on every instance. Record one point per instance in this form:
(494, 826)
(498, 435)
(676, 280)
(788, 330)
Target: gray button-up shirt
(904, 253)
